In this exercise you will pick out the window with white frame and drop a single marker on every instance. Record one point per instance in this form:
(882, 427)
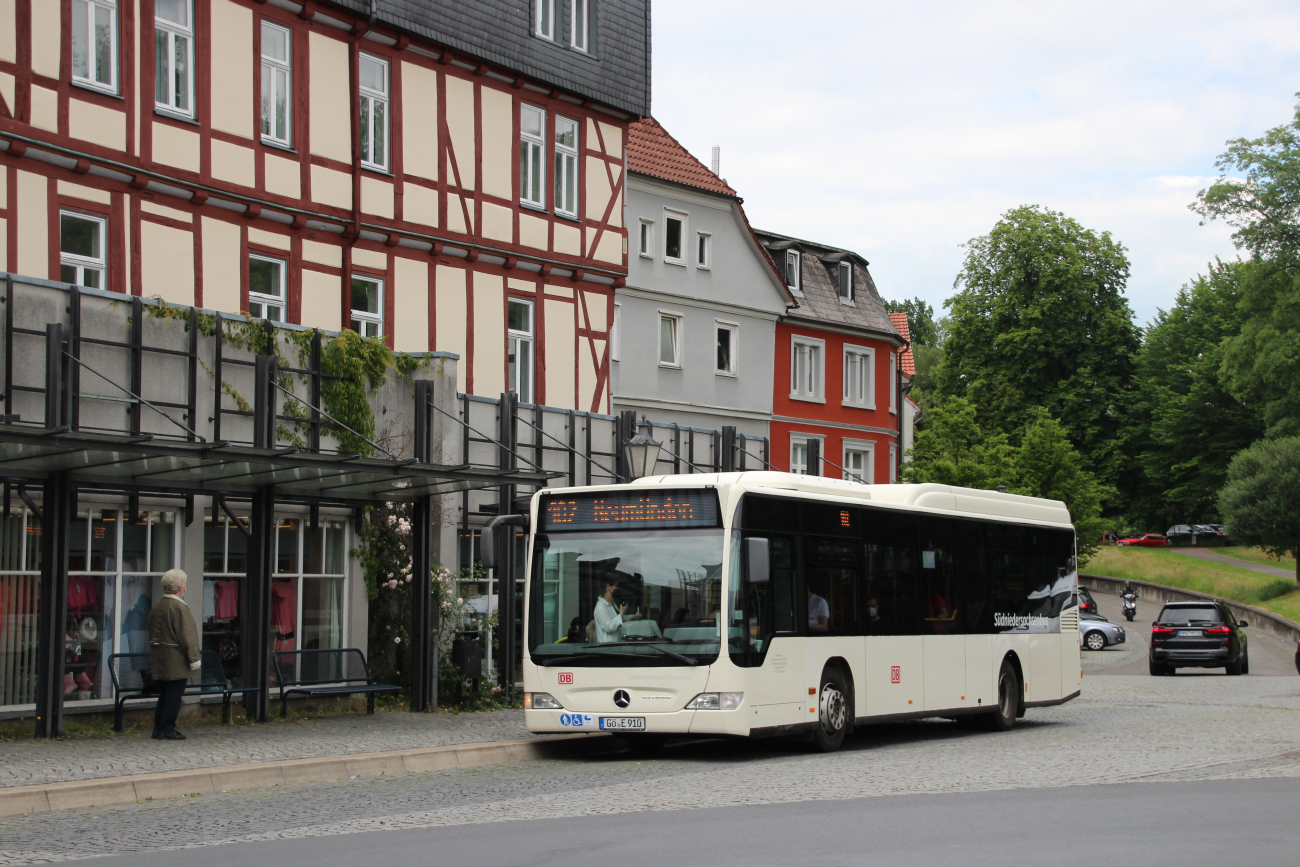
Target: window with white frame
(83, 245)
(544, 19)
(174, 56)
(806, 368)
(94, 43)
(893, 382)
(858, 457)
(519, 349)
(703, 250)
(277, 76)
(801, 453)
(727, 339)
(845, 283)
(647, 238)
(674, 238)
(893, 463)
(670, 340)
(793, 269)
(367, 302)
(616, 333)
(374, 111)
(532, 167)
(267, 291)
(580, 24)
(859, 377)
(566, 167)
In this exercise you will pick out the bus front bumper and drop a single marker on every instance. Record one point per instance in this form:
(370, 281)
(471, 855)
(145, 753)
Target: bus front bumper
(682, 722)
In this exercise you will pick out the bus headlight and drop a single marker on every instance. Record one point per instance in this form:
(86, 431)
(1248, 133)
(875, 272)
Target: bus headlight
(541, 701)
(715, 701)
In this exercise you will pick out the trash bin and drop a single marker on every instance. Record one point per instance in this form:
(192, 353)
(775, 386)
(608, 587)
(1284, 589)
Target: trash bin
(467, 656)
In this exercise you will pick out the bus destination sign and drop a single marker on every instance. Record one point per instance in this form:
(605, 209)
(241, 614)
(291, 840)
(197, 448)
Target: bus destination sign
(632, 510)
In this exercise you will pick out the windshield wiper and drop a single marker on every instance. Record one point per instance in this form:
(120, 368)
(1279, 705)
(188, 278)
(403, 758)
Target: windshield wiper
(653, 644)
(578, 657)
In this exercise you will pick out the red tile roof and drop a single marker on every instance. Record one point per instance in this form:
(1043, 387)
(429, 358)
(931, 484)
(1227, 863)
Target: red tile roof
(652, 151)
(905, 361)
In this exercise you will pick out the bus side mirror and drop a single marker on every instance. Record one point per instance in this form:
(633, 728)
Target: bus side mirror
(758, 568)
(487, 549)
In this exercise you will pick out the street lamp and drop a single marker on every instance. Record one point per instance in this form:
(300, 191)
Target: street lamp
(642, 452)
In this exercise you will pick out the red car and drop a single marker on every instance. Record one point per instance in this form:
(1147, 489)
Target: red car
(1146, 540)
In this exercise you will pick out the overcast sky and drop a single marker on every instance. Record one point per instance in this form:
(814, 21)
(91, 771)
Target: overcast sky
(902, 130)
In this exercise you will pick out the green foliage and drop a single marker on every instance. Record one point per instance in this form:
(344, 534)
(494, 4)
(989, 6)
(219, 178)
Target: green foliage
(1040, 319)
(1264, 205)
(1261, 364)
(920, 320)
(954, 450)
(1261, 500)
(1184, 426)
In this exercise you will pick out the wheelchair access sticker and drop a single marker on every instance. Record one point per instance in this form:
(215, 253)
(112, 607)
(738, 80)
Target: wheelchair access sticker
(578, 720)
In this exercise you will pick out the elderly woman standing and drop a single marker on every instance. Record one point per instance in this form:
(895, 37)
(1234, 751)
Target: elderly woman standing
(173, 652)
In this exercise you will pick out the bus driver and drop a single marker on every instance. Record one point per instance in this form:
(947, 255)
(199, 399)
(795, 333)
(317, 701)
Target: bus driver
(609, 620)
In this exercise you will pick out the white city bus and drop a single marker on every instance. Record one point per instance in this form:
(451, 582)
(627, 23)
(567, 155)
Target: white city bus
(758, 604)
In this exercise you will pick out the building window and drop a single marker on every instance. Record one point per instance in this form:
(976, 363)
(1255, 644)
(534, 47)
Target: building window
(859, 377)
(893, 463)
(174, 56)
(266, 288)
(82, 249)
(670, 340)
(520, 349)
(580, 23)
(793, 269)
(858, 461)
(846, 281)
(801, 453)
(374, 112)
(277, 75)
(94, 43)
(725, 358)
(893, 382)
(647, 238)
(566, 167)
(367, 306)
(806, 374)
(616, 333)
(532, 169)
(703, 250)
(544, 19)
(674, 234)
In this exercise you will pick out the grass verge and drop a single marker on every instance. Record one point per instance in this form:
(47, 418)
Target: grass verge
(1257, 555)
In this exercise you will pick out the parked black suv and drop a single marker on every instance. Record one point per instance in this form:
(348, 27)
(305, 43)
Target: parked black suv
(1198, 635)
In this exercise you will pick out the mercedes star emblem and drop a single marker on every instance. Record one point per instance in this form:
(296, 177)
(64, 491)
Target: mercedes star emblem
(621, 698)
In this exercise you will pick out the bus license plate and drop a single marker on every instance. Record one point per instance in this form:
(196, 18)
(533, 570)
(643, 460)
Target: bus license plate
(623, 723)
(1191, 633)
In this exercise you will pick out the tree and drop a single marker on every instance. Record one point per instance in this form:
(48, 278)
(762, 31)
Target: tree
(1261, 501)
(1261, 364)
(1184, 426)
(954, 450)
(1040, 319)
(920, 320)
(927, 346)
(1049, 466)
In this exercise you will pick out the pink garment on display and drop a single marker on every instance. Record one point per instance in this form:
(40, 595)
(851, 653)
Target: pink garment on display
(227, 599)
(83, 595)
(284, 613)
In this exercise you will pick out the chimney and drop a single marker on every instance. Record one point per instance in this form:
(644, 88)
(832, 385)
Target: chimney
(717, 158)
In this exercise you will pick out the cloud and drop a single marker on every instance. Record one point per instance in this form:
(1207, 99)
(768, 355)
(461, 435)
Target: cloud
(903, 130)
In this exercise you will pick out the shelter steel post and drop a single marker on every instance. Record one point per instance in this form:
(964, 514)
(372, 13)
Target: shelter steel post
(505, 571)
(256, 601)
(728, 448)
(814, 449)
(56, 517)
(424, 665)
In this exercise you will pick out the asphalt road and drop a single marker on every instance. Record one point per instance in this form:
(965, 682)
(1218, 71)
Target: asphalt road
(1230, 821)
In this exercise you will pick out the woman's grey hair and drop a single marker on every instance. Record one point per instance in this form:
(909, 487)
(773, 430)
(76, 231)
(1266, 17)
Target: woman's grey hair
(174, 580)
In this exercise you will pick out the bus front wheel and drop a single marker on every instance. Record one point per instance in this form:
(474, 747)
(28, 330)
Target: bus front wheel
(1004, 717)
(832, 711)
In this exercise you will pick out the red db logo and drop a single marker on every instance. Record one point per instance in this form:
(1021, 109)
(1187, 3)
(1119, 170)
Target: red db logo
(567, 676)
(895, 674)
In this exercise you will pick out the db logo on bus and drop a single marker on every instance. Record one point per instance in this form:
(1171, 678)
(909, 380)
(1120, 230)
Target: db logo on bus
(895, 674)
(566, 677)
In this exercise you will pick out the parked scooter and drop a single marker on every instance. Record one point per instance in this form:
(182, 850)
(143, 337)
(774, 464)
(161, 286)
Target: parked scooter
(1130, 598)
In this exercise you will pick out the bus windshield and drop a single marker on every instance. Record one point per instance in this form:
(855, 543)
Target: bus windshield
(626, 598)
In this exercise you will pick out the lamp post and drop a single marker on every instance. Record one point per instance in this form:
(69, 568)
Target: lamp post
(641, 451)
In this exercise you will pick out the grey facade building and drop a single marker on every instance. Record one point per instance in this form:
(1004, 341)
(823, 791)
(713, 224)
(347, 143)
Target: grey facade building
(695, 325)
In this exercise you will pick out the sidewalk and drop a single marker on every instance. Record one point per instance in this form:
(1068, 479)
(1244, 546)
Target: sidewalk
(1207, 554)
(38, 776)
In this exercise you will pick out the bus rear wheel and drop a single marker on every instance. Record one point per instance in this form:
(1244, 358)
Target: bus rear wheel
(1008, 710)
(832, 711)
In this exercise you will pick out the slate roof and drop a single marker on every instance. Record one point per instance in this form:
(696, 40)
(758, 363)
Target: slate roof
(652, 150)
(820, 302)
(616, 71)
(905, 360)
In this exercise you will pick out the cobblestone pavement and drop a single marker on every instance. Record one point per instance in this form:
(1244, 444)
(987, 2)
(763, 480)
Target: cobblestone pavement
(26, 762)
(1122, 729)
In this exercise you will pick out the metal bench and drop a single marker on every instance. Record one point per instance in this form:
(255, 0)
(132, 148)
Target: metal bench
(341, 671)
(127, 671)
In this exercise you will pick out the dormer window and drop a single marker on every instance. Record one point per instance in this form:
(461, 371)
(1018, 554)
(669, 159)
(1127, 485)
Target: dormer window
(544, 19)
(846, 281)
(579, 24)
(792, 269)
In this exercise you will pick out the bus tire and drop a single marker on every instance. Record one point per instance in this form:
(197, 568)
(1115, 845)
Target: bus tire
(1008, 710)
(832, 711)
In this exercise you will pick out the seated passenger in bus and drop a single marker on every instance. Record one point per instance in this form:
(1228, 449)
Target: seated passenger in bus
(819, 613)
(608, 619)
